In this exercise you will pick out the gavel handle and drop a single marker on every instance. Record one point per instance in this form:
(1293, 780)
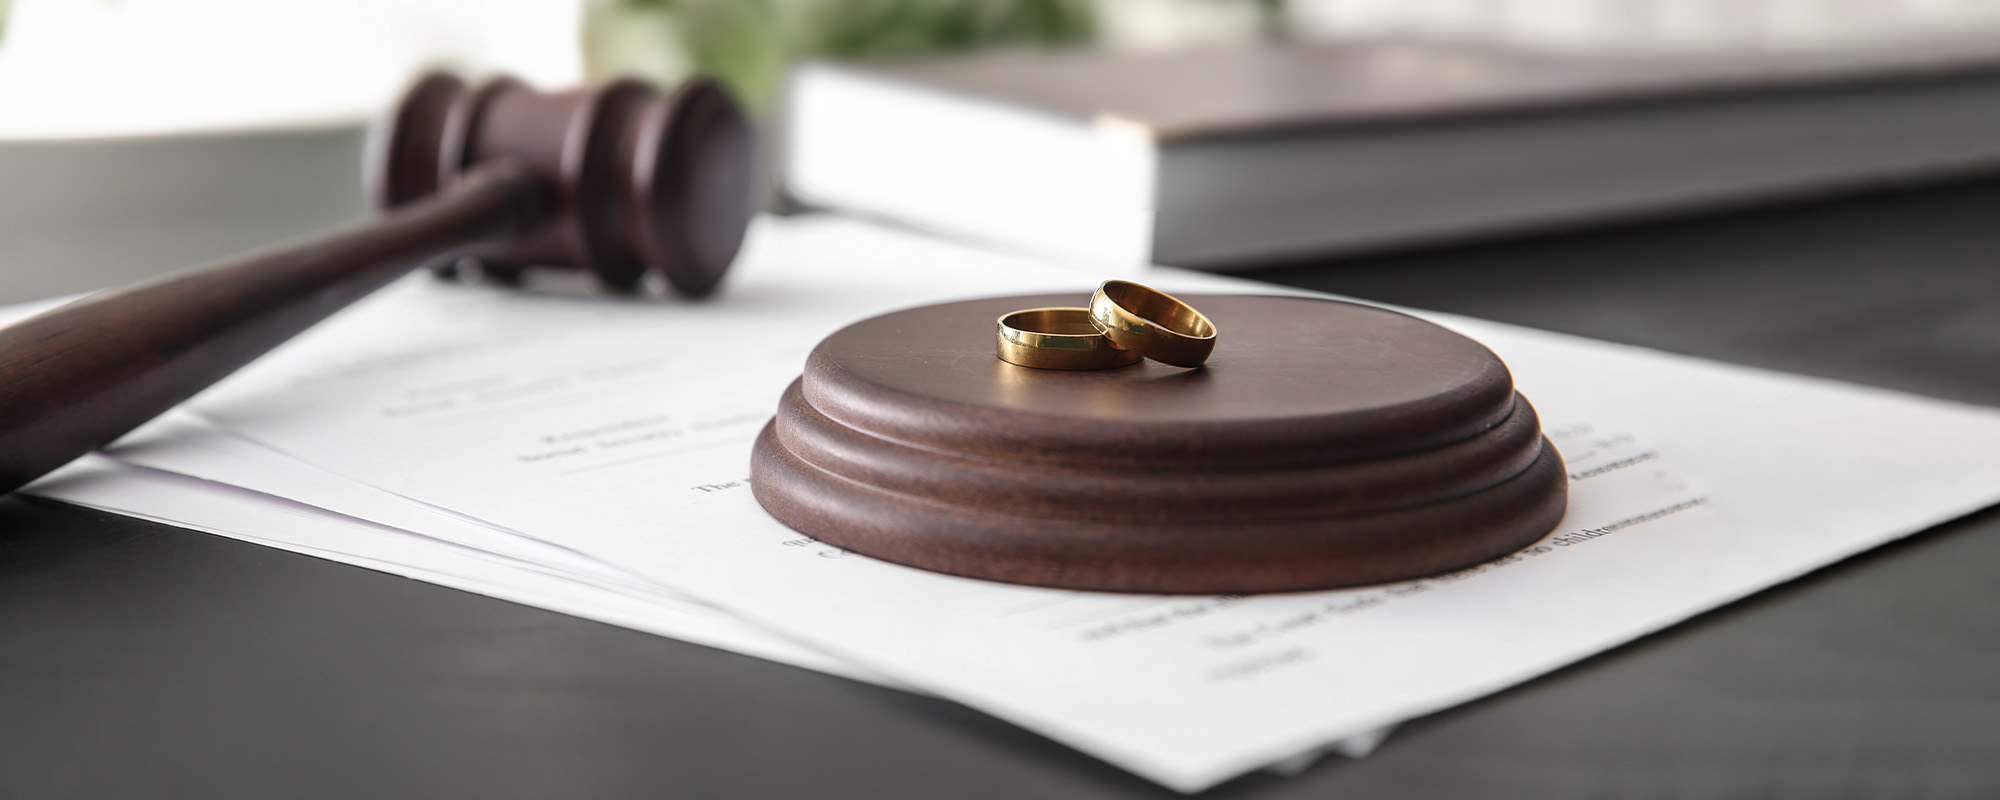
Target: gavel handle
(79, 376)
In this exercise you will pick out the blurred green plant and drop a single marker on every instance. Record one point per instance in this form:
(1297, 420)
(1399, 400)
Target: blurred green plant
(4, 5)
(749, 43)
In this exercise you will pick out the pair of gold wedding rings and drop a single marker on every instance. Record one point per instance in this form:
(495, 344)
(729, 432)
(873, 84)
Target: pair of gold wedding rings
(1125, 322)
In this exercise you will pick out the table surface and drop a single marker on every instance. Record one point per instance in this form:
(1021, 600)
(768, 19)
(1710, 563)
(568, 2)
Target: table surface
(145, 660)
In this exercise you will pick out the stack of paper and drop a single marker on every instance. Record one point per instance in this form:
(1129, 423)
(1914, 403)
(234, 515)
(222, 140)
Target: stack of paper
(590, 455)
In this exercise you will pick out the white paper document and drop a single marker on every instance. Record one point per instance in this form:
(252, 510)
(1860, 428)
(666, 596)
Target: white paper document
(105, 484)
(619, 433)
(182, 471)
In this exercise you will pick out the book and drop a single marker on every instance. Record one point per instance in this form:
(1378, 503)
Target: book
(1233, 159)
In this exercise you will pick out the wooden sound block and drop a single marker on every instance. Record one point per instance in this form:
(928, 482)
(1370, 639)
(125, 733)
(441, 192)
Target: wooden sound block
(1324, 444)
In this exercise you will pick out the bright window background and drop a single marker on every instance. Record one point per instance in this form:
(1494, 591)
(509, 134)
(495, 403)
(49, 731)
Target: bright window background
(119, 67)
(122, 67)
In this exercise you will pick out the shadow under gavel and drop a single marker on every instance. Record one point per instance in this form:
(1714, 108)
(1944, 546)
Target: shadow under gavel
(621, 180)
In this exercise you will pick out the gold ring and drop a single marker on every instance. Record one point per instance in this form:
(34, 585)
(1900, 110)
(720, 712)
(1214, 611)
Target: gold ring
(1152, 323)
(1058, 338)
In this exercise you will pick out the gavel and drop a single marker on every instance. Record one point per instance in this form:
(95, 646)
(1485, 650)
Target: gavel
(622, 180)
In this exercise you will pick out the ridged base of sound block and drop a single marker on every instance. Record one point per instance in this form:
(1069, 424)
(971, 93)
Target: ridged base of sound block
(1325, 444)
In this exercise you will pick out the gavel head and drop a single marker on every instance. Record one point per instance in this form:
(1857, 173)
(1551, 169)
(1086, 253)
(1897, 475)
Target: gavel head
(639, 180)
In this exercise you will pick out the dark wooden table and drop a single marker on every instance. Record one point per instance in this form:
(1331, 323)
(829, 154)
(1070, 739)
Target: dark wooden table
(139, 660)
